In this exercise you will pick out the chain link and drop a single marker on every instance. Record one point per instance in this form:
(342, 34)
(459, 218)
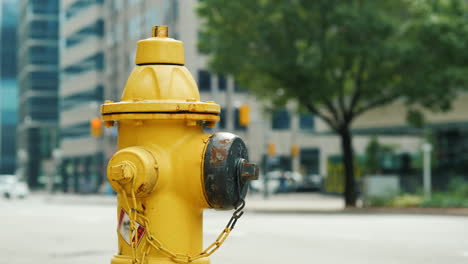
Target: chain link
(153, 242)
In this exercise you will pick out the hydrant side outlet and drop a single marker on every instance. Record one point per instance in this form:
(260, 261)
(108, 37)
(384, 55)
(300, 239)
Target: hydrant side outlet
(135, 165)
(224, 188)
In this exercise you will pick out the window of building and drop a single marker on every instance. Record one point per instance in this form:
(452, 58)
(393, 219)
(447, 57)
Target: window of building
(222, 119)
(81, 98)
(44, 75)
(42, 108)
(281, 120)
(278, 162)
(237, 126)
(8, 96)
(79, 6)
(95, 29)
(44, 7)
(306, 122)
(44, 86)
(41, 80)
(76, 131)
(92, 63)
(222, 83)
(47, 141)
(43, 29)
(9, 21)
(204, 80)
(43, 55)
(310, 161)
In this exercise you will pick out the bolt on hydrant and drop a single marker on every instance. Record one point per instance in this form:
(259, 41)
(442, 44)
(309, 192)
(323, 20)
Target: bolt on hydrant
(167, 170)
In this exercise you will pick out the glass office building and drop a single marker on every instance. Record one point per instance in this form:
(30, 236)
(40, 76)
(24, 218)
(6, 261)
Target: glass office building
(81, 93)
(8, 85)
(38, 86)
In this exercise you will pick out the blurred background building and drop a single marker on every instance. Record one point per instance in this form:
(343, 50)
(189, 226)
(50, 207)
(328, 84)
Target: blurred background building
(8, 85)
(97, 52)
(74, 54)
(37, 52)
(82, 49)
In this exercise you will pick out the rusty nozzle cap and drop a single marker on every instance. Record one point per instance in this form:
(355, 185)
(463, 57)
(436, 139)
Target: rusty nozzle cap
(248, 171)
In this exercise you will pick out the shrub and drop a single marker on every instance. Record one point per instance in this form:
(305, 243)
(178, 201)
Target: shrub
(456, 197)
(407, 200)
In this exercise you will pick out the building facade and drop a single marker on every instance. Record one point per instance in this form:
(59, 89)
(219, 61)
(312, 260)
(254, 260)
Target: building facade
(98, 41)
(82, 70)
(8, 86)
(446, 131)
(38, 86)
(284, 128)
(127, 22)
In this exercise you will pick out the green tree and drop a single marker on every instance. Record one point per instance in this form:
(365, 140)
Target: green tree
(339, 59)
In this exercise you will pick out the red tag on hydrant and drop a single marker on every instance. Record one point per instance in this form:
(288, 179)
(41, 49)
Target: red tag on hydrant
(124, 229)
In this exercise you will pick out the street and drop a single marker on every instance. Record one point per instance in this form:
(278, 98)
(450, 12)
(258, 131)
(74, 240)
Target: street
(36, 231)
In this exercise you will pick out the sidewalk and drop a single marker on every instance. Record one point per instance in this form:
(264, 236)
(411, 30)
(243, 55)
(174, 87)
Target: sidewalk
(310, 203)
(286, 203)
(296, 203)
(78, 199)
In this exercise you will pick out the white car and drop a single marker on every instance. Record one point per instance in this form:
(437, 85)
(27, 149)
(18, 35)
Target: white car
(12, 187)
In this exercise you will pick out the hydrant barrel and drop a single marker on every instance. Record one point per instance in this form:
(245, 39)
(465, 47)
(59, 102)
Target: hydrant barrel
(167, 170)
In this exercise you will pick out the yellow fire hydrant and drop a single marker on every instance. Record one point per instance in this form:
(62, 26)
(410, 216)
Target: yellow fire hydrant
(167, 170)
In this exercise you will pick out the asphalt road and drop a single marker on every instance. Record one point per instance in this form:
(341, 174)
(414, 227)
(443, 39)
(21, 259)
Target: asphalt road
(35, 231)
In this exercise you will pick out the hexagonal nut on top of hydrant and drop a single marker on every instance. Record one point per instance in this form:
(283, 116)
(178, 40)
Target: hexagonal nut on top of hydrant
(167, 170)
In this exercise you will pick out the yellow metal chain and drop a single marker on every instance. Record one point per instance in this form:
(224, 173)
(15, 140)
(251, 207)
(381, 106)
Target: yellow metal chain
(152, 242)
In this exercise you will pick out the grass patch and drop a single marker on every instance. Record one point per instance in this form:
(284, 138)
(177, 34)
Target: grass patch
(457, 197)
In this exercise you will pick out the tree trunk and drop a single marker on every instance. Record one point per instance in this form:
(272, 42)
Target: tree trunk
(348, 162)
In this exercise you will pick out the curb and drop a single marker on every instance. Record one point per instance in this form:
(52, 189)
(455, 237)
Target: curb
(463, 212)
(98, 200)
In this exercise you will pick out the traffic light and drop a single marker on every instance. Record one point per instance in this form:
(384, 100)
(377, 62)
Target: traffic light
(96, 127)
(295, 150)
(244, 115)
(271, 150)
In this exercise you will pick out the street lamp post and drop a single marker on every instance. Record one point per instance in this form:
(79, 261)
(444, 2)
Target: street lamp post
(427, 148)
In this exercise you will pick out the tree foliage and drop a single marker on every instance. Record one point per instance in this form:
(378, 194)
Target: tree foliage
(339, 59)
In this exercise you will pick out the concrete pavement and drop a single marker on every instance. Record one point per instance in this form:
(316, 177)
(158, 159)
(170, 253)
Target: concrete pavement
(39, 231)
(298, 203)
(288, 202)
